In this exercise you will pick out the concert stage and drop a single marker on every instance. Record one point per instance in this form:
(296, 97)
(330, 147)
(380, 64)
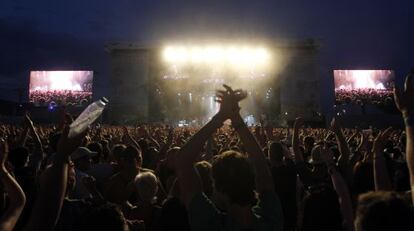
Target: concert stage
(177, 82)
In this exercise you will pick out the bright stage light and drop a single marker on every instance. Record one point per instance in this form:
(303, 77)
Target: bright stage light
(363, 79)
(63, 80)
(233, 55)
(176, 54)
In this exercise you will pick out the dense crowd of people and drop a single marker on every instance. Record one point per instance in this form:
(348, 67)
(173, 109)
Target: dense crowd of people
(220, 176)
(377, 97)
(60, 97)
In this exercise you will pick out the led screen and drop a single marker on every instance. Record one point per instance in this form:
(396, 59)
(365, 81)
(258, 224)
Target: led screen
(60, 87)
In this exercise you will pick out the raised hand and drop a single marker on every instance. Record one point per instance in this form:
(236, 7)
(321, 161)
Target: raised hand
(327, 156)
(340, 187)
(15, 194)
(405, 103)
(229, 101)
(381, 179)
(404, 100)
(298, 123)
(125, 130)
(269, 134)
(146, 131)
(335, 126)
(363, 143)
(27, 121)
(141, 132)
(170, 136)
(4, 151)
(66, 145)
(188, 178)
(380, 140)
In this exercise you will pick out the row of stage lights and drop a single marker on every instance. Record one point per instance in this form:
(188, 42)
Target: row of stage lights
(233, 55)
(211, 98)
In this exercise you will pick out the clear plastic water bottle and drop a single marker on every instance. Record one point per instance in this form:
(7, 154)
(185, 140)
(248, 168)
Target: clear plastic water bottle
(87, 117)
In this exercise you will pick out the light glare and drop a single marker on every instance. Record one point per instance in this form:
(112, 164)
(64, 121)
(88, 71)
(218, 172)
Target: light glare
(233, 55)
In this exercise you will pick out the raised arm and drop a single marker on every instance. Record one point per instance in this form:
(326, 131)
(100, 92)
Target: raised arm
(362, 142)
(167, 145)
(229, 99)
(38, 154)
(341, 189)
(269, 134)
(22, 138)
(341, 141)
(15, 194)
(260, 135)
(295, 140)
(264, 180)
(131, 140)
(208, 156)
(404, 100)
(53, 182)
(151, 138)
(286, 152)
(351, 138)
(381, 178)
(304, 172)
(188, 178)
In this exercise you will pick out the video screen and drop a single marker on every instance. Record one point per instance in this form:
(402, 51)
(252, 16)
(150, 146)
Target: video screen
(363, 86)
(363, 79)
(69, 88)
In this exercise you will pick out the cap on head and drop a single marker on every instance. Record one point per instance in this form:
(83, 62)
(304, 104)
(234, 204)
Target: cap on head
(82, 152)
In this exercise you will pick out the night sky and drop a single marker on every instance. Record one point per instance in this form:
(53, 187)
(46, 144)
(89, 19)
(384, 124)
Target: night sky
(71, 34)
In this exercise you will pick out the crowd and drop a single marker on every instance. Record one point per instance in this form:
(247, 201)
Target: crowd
(378, 97)
(218, 177)
(60, 97)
